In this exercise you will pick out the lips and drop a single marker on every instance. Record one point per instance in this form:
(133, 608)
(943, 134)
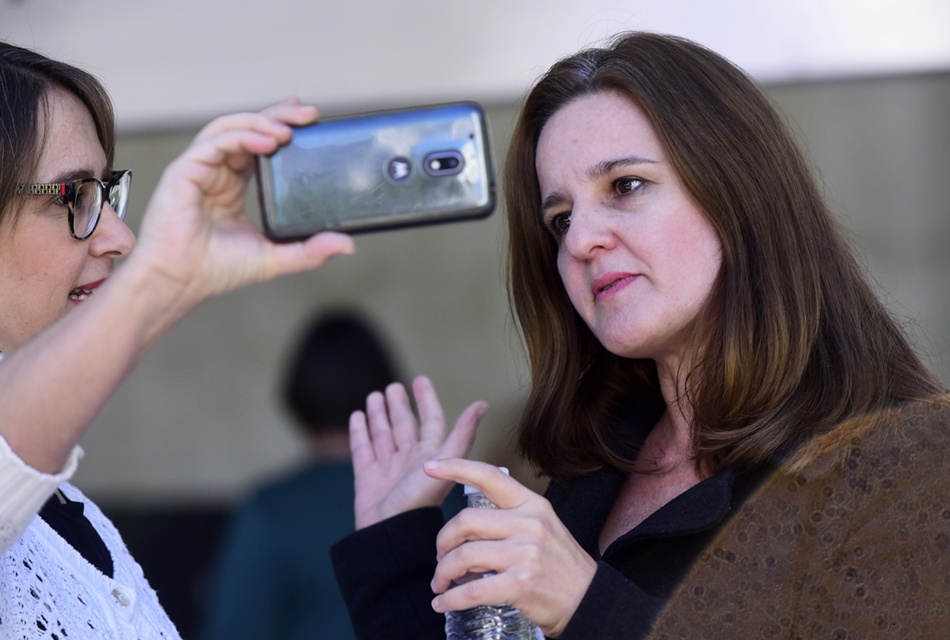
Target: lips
(611, 282)
(82, 292)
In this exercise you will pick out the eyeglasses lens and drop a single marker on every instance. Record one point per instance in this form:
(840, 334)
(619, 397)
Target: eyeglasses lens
(119, 194)
(87, 208)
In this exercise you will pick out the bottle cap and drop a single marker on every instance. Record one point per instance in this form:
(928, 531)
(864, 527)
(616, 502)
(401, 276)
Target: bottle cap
(469, 490)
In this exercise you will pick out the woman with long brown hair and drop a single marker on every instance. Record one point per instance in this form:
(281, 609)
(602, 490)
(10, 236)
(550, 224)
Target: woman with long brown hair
(695, 325)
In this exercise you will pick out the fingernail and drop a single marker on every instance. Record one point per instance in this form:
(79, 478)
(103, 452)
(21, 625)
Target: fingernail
(436, 603)
(431, 465)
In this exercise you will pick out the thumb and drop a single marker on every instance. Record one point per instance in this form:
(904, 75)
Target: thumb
(303, 256)
(459, 442)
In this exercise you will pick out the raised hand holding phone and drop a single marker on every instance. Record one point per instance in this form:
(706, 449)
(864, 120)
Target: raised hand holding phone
(195, 232)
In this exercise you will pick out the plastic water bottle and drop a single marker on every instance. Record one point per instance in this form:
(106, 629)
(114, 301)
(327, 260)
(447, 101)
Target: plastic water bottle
(485, 622)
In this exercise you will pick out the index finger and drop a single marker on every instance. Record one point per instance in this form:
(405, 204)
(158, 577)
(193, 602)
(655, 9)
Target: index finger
(504, 491)
(292, 111)
(274, 120)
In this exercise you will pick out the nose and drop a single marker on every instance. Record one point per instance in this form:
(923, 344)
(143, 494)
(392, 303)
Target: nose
(589, 232)
(112, 237)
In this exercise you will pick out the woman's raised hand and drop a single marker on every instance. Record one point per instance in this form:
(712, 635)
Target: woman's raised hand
(195, 242)
(540, 569)
(195, 235)
(390, 447)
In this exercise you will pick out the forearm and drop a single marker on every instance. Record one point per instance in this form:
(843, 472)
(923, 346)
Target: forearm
(384, 571)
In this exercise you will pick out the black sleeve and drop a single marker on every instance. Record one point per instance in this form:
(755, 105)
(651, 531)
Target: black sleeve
(384, 572)
(613, 608)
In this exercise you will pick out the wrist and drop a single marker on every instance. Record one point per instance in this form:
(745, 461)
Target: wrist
(150, 298)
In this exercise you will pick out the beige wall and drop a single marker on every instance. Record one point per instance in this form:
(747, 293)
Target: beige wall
(198, 419)
(882, 148)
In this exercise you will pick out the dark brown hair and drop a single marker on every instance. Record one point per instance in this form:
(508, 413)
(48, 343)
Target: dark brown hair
(26, 80)
(792, 339)
(338, 362)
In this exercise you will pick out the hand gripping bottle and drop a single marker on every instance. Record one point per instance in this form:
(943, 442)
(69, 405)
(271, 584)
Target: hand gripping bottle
(485, 622)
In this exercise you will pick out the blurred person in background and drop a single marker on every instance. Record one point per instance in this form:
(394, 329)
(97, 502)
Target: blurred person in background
(274, 578)
(72, 325)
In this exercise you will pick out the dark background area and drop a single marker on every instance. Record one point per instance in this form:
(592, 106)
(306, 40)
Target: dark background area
(176, 547)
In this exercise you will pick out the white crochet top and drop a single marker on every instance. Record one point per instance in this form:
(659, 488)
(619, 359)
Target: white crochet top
(47, 589)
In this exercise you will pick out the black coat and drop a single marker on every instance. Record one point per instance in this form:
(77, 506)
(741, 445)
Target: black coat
(384, 570)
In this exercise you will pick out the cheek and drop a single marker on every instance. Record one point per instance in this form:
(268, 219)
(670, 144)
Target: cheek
(569, 275)
(49, 269)
(700, 262)
(577, 288)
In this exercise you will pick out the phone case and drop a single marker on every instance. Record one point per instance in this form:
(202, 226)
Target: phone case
(379, 171)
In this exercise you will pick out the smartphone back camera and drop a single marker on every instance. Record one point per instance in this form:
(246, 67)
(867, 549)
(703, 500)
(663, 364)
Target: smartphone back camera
(439, 164)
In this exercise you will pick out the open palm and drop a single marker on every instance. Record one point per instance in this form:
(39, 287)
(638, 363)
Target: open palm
(390, 447)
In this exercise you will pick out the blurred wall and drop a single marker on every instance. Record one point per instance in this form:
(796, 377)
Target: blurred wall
(198, 420)
(882, 148)
(181, 64)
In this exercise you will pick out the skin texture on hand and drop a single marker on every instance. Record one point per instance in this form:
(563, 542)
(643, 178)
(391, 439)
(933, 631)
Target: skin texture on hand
(540, 569)
(390, 447)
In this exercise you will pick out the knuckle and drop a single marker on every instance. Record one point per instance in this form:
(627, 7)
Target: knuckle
(521, 576)
(536, 528)
(476, 590)
(466, 518)
(465, 554)
(445, 534)
(532, 560)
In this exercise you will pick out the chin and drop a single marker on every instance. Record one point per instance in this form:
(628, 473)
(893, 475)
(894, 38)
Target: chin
(623, 349)
(620, 340)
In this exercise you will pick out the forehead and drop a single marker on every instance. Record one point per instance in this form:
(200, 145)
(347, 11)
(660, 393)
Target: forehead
(593, 128)
(590, 131)
(72, 146)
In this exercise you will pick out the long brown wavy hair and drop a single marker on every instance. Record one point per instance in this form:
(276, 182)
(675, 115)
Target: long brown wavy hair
(792, 339)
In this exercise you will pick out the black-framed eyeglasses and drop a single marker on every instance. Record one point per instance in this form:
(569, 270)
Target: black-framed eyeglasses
(84, 199)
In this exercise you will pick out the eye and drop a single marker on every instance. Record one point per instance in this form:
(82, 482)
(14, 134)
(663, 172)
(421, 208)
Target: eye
(559, 223)
(626, 185)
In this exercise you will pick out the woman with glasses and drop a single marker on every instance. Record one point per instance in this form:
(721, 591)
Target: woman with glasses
(72, 326)
(740, 439)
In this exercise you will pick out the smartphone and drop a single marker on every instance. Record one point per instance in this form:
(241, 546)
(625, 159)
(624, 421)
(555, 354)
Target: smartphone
(379, 171)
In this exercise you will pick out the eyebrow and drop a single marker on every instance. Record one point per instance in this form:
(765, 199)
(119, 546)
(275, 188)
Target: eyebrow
(554, 200)
(599, 170)
(607, 166)
(76, 174)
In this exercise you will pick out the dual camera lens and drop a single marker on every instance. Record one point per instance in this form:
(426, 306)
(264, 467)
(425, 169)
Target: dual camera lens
(437, 164)
(443, 163)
